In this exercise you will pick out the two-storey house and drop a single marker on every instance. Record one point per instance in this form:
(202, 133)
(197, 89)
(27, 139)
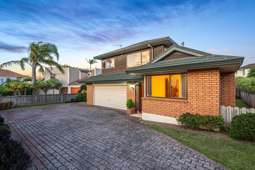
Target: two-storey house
(164, 80)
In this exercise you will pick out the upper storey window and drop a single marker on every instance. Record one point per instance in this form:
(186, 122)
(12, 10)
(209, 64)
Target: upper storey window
(138, 58)
(109, 63)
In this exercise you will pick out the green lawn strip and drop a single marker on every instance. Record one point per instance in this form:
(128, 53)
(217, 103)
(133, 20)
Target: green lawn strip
(240, 103)
(230, 153)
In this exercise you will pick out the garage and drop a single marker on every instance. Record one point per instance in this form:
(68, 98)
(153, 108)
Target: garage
(114, 96)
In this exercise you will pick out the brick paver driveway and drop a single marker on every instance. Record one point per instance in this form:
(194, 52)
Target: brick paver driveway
(74, 136)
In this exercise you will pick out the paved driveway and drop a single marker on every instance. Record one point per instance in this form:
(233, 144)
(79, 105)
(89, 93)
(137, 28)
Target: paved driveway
(74, 136)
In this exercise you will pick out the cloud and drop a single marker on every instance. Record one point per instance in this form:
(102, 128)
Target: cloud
(11, 48)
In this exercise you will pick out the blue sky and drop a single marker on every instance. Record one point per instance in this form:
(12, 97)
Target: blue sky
(85, 28)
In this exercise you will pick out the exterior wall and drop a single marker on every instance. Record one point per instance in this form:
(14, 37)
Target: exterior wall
(177, 54)
(243, 72)
(228, 89)
(90, 94)
(120, 62)
(4, 79)
(131, 92)
(203, 97)
(73, 75)
(62, 77)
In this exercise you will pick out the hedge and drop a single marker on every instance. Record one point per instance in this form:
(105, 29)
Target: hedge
(246, 84)
(196, 121)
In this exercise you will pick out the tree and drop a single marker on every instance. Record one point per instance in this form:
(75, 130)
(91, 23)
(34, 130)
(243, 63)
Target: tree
(40, 55)
(17, 86)
(54, 84)
(91, 62)
(251, 73)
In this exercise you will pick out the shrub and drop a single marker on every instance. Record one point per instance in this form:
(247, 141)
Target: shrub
(80, 97)
(243, 127)
(246, 84)
(130, 104)
(211, 123)
(5, 132)
(13, 155)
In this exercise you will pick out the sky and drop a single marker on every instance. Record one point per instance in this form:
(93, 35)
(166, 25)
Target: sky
(82, 29)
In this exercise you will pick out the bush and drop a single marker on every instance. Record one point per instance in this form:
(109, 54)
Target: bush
(130, 104)
(5, 132)
(246, 84)
(243, 127)
(211, 123)
(5, 105)
(13, 156)
(79, 98)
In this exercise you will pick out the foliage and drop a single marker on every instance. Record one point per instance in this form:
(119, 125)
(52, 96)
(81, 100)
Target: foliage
(5, 105)
(251, 73)
(243, 127)
(246, 84)
(216, 146)
(12, 154)
(241, 103)
(211, 123)
(79, 97)
(40, 55)
(130, 104)
(91, 62)
(83, 88)
(54, 83)
(5, 91)
(17, 86)
(5, 132)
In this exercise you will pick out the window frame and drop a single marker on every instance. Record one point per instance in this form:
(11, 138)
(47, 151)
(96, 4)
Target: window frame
(112, 65)
(140, 56)
(170, 97)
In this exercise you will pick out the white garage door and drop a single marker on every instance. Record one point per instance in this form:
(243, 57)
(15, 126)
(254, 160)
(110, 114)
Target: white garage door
(114, 96)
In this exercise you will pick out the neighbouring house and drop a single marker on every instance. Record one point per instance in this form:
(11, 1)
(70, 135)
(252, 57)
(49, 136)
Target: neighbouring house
(244, 71)
(71, 75)
(7, 74)
(164, 80)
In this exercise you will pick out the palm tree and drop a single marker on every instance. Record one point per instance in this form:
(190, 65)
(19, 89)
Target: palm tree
(40, 55)
(91, 62)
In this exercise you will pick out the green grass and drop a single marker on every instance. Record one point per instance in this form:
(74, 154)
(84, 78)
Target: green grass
(240, 103)
(218, 147)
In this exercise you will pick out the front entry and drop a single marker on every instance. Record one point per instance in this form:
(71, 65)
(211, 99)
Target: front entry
(138, 97)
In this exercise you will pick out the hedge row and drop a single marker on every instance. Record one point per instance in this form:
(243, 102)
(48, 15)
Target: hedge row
(242, 126)
(246, 84)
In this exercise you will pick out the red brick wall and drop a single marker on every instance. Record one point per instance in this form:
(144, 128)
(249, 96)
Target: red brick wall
(203, 97)
(90, 93)
(228, 90)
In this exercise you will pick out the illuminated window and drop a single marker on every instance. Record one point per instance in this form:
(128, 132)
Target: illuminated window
(168, 86)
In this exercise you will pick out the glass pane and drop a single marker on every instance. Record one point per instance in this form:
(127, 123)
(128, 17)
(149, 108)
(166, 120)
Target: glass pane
(134, 59)
(176, 86)
(159, 86)
(145, 57)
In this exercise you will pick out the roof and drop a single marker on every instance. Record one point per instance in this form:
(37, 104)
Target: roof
(167, 41)
(8, 73)
(232, 63)
(249, 66)
(114, 77)
(176, 47)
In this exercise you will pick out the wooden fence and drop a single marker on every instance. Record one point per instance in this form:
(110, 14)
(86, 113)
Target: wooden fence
(249, 98)
(229, 112)
(37, 99)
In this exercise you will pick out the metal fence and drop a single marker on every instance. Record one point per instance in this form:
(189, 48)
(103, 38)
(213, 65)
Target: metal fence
(229, 112)
(249, 98)
(37, 99)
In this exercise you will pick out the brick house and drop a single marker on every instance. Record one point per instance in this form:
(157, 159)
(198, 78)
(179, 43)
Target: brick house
(164, 80)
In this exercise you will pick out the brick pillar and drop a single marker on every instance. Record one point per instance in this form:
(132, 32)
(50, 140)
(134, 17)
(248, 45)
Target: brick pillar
(228, 90)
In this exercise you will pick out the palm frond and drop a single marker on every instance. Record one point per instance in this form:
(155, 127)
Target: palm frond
(54, 63)
(14, 62)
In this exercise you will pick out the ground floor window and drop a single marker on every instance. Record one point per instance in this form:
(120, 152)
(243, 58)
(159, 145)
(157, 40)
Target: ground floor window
(167, 86)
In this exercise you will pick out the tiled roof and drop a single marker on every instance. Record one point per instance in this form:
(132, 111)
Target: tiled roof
(249, 66)
(141, 45)
(115, 77)
(8, 73)
(210, 61)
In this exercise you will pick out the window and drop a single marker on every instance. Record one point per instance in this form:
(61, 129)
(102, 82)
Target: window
(109, 63)
(167, 86)
(138, 58)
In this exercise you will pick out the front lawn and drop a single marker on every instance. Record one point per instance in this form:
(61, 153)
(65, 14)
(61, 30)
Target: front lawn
(219, 147)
